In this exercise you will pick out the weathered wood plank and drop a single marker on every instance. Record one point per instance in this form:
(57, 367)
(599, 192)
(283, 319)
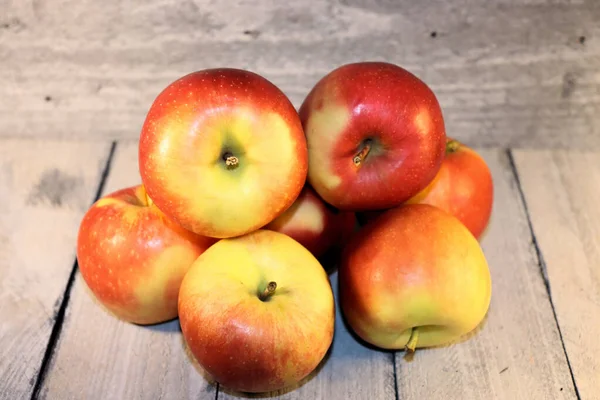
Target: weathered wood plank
(510, 73)
(101, 357)
(350, 371)
(517, 353)
(562, 190)
(45, 187)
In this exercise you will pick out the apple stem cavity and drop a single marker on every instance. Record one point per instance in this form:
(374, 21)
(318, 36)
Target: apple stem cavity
(452, 146)
(362, 154)
(412, 341)
(268, 292)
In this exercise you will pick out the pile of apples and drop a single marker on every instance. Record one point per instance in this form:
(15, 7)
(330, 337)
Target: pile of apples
(242, 196)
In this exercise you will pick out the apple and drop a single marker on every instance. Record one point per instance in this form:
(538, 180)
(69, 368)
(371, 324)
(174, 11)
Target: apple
(133, 258)
(414, 277)
(313, 223)
(257, 311)
(222, 152)
(375, 135)
(463, 187)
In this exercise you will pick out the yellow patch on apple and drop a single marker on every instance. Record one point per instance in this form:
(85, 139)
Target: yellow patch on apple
(332, 119)
(311, 216)
(160, 283)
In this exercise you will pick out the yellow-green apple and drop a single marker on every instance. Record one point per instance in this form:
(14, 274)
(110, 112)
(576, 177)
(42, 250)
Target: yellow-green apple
(222, 152)
(313, 223)
(414, 277)
(463, 187)
(257, 311)
(375, 135)
(133, 258)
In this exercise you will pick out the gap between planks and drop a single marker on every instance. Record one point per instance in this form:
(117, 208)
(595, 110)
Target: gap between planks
(56, 329)
(45, 188)
(561, 189)
(541, 263)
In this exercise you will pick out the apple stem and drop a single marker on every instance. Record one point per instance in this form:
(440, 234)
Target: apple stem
(268, 292)
(231, 161)
(452, 146)
(362, 154)
(412, 341)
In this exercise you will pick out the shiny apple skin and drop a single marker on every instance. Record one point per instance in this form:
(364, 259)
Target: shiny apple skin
(191, 127)
(393, 109)
(248, 344)
(414, 266)
(463, 187)
(313, 223)
(133, 258)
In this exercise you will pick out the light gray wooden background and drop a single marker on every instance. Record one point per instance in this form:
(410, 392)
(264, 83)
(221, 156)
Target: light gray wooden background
(507, 72)
(519, 80)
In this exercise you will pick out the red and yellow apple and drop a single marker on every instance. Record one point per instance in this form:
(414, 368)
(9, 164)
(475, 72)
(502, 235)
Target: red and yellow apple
(463, 187)
(257, 311)
(375, 135)
(313, 223)
(414, 277)
(222, 152)
(133, 258)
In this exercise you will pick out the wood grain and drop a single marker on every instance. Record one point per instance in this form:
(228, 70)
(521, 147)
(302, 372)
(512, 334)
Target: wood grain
(511, 73)
(516, 353)
(101, 357)
(45, 188)
(350, 371)
(562, 190)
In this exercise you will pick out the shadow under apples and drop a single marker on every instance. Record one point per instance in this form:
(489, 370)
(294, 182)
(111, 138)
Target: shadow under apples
(170, 326)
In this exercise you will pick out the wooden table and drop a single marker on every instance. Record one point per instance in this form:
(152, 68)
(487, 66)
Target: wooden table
(539, 340)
